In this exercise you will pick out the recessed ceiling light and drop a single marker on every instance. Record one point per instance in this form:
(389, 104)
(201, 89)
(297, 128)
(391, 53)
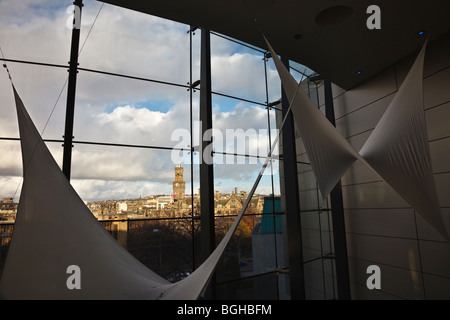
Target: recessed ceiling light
(358, 72)
(421, 32)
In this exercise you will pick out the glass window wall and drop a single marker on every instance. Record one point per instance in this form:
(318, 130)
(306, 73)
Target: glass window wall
(135, 157)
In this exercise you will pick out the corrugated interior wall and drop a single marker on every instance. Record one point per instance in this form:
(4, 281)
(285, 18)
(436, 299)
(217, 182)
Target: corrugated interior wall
(382, 229)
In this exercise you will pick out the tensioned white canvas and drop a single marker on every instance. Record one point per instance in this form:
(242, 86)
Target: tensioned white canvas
(54, 229)
(329, 153)
(398, 148)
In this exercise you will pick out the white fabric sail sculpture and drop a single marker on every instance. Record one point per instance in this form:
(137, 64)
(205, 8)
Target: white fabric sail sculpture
(55, 230)
(328, 151)
(398, 149)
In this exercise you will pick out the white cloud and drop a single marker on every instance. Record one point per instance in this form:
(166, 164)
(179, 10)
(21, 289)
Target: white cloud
(92, 190)
(230, 76)
(10, 159)
(138, 44)
(128, 119)
(244, 122)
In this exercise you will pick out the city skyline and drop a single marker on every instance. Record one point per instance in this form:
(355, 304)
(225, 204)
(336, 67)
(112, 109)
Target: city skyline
(179, 200)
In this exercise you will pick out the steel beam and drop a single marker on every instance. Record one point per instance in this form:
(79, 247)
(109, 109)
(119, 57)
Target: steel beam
(71, 90)
(337, 209)
(206, 167)
(292, 202)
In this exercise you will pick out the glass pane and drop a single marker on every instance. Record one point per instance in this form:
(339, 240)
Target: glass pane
(118, 110)
(42, 90)
(134, 43)
(164, 246)
(131, 192)
(11, 167)
(237, 70)
(273, 81)
(262, 287)
(241, 128)
(299, 70)
(252, 250)
(35, 31)
(115, 173)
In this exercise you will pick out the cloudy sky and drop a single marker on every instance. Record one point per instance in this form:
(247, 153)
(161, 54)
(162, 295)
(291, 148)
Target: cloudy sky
(118, 110)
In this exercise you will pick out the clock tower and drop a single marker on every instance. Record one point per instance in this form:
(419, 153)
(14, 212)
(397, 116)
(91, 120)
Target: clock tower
(179, 185)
